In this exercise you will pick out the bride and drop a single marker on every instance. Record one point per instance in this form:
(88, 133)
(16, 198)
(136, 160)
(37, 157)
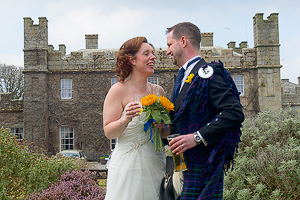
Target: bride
(135, 169)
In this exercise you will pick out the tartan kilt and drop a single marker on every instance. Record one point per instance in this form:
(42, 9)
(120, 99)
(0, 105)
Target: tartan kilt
(195, 189)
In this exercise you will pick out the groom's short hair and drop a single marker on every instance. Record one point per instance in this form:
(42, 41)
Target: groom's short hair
(187, 29)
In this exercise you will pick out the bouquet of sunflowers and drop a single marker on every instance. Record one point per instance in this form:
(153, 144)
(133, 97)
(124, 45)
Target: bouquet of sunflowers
(157, 109)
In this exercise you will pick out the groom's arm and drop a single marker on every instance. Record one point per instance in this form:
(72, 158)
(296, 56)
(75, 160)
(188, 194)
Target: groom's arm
(223, 102)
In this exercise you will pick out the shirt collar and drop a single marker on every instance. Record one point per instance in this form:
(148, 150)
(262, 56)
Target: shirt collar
(185, 64)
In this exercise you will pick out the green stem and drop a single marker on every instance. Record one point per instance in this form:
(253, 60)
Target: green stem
(157, 140)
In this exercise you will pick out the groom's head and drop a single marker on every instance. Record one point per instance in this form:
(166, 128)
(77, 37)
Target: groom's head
(189, 30)
(183, 42)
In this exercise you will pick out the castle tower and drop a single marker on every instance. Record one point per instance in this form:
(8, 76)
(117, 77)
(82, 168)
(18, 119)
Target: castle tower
(36, 83)
(266, 42)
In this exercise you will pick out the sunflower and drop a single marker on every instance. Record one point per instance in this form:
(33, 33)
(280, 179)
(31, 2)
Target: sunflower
(156, 110)
(149, 99)
(166, 103)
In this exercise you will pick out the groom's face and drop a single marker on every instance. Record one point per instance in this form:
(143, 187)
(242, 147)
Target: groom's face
(174, 49)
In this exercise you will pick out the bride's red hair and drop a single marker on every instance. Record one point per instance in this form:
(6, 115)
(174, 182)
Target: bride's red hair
(127, 51)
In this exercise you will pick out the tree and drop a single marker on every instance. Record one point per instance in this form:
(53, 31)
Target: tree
(12, 80)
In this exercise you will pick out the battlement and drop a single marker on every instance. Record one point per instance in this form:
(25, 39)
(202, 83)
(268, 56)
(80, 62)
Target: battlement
(271, 17)
(266, 31)
(35, 44)
(35, 35)
(242, 45)
(93, 59)
(29, 22)
(61, 51)
(105, 59)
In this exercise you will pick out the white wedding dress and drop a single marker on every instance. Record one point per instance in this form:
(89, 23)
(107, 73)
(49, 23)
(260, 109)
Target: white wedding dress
(135, 170)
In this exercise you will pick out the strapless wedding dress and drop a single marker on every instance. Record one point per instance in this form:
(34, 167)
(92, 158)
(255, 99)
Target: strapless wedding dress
(135, 170)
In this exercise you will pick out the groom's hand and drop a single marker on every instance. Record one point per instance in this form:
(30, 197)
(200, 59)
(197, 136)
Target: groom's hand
(182, 143)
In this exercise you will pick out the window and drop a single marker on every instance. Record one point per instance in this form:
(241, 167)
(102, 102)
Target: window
(66, 135)
(113, 81)
(66, 88)
(153, 80)
(239, 82)
(18, 132)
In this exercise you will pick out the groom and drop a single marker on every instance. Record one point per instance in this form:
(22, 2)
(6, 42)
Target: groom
(208, 115)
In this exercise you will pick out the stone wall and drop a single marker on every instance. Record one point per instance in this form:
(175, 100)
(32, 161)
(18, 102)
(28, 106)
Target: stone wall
(83, 112)
(292, 99)
(36, 110)
(290, 94)
(11, 112)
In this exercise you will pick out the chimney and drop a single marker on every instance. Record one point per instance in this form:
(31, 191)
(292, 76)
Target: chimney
(91, 41)
(231, 45)
(298, 80)
(244, 44)
(207, 40)
(62, 49)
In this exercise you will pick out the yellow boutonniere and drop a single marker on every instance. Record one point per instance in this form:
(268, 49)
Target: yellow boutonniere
(190, 78)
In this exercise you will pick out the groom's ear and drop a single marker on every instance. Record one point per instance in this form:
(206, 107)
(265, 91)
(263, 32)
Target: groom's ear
(183, 41)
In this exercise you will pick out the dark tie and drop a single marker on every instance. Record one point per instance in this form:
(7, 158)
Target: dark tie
(177, 84)
(178, 80)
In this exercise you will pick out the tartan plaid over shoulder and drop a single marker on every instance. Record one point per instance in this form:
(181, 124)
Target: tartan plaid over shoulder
(193, 115)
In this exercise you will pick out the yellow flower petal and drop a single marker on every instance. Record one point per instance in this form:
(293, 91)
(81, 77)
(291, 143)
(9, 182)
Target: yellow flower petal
(149, 99)
(165, 102)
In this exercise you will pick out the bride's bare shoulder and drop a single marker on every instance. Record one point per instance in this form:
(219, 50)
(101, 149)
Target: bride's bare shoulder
(117, 87)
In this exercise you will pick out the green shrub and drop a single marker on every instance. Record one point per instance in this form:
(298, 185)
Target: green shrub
(267, 165)
(22, 171)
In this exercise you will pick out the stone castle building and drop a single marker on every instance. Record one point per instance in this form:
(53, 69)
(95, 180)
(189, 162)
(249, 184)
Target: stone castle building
(64, 94)
(290, 94)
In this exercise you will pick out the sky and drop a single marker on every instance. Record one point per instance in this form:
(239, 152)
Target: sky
(116, 21)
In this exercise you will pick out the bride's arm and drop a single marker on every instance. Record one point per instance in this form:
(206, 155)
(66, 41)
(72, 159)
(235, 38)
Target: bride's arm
(113, 122)
(112, 110)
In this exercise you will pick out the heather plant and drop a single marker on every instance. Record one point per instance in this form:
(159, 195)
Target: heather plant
(23, 171)
(267, 165)
(72, 185)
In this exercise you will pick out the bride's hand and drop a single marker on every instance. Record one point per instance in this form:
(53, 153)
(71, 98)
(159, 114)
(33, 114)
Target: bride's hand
(162, 127)
(132, 110)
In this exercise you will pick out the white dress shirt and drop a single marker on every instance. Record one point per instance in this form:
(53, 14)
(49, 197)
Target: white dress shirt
(188, 70)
